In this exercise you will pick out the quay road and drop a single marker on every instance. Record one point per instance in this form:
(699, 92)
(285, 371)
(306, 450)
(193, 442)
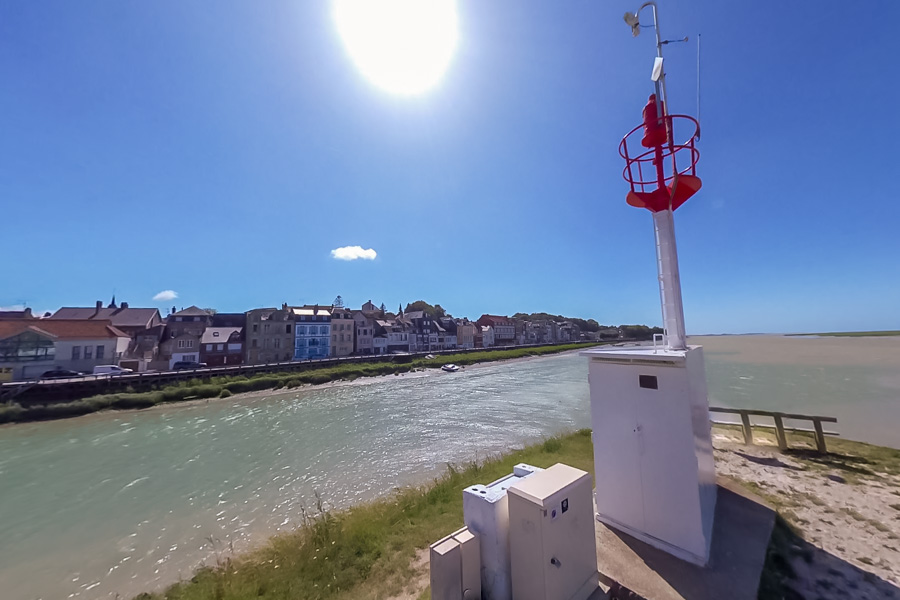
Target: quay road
(57, 390)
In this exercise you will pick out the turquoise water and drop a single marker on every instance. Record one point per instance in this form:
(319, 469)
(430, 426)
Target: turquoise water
(121, 503)
(127, 502)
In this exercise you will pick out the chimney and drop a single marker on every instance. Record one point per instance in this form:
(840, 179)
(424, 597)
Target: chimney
(123, 305)
(99, 306)
(284, 306)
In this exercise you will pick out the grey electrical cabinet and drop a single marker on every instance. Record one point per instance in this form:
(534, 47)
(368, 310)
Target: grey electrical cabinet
(553, 553)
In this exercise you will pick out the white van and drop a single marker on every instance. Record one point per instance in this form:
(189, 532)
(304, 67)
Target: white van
(110, 370)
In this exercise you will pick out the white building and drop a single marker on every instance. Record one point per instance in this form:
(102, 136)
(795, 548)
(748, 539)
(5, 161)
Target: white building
(487, 336)
(29, 347)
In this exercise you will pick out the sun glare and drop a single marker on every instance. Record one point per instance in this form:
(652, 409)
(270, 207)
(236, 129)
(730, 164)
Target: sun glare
(402, 46)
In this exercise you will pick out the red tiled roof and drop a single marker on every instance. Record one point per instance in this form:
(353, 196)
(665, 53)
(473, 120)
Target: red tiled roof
(62, 329)
(9, 329)
(493, 320)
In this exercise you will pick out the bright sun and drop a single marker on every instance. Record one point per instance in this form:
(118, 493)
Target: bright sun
(402, 46)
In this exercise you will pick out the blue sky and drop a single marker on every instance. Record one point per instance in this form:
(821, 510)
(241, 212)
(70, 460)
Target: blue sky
(223, 149)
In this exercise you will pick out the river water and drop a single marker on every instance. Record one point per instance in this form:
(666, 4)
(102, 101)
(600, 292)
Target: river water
(120, 503)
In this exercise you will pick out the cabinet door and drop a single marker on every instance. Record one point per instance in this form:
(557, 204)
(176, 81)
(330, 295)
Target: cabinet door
(668, 461)
(617, 464)
(570, 556)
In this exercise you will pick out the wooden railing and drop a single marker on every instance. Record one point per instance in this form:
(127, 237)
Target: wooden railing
(779, 427)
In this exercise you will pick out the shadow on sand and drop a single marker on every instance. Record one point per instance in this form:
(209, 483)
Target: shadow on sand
(791, 568)
(767, 461)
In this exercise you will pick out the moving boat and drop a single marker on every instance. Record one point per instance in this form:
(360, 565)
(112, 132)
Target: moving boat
(450, 368)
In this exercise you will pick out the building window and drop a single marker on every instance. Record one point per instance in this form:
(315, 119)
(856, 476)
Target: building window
(301, 330)
(255, 327)
(278, 342)
(88, 352)
(209, 347)
(253, 343)
(266, 328)
(287, 328)
(220, 347)
(100, 350)
(76, 352)
(323, 330)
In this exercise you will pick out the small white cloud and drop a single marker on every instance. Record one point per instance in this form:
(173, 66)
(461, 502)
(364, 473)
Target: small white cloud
(353, 253)
(13, 308)
(165, 296)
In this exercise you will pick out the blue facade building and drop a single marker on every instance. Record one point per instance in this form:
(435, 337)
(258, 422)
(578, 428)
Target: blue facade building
(312, 332)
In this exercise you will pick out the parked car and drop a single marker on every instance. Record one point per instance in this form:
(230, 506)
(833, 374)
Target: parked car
(59, 373)
(181, 365)
(110, 370)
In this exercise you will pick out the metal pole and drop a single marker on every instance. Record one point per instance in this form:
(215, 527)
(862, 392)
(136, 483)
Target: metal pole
(671, 302)
(698, 86)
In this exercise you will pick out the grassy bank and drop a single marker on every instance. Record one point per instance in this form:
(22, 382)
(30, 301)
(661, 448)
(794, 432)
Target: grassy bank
(367, 551)
(226, 386)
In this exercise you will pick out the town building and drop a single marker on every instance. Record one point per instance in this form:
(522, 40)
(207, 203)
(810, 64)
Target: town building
(465, 333)
(29, 347)
(541, 332)
(568, 332)
(192, 320)
(269, 335)
(143, 352)
(449, 339)
(222, 346)
(487, 337)
(142, 325)
(312, 326)
(122, 317)
(422, 329)
(343, 327)
(180, 348)
(396, 335)
(504, 330)
(364, 342)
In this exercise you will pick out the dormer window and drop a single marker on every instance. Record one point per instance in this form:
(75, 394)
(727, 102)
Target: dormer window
(215, 334)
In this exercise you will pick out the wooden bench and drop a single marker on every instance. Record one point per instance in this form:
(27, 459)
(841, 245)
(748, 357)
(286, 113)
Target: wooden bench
(779, 427)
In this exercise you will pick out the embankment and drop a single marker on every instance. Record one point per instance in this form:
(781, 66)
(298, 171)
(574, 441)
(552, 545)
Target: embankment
(224, 386)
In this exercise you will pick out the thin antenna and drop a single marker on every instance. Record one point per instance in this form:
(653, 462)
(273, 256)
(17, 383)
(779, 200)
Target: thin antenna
(699, 122)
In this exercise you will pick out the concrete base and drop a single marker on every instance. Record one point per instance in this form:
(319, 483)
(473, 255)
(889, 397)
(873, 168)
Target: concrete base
(743, 526)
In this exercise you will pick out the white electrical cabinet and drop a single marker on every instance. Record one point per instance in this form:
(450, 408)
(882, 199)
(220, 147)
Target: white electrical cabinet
(486, 513)
(653, 456)
(455, 565)
(552, 541)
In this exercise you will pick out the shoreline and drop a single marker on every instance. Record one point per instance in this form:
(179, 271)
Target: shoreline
(200, 391)
(417, 374)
